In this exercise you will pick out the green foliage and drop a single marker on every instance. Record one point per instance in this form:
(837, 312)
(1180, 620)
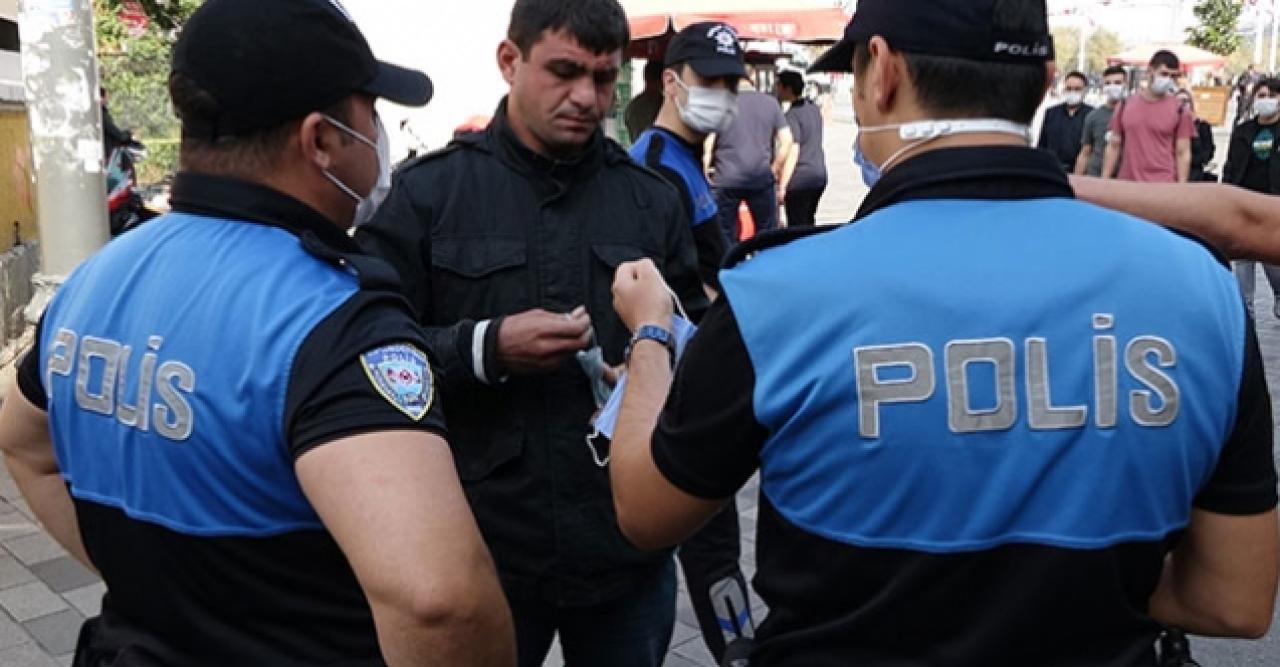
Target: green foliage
(1216, 31)
(1102, 44)
(134, 68)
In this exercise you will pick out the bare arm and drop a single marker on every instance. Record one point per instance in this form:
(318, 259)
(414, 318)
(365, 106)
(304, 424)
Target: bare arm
(1184, 160)
(1111, 159)
(652, 512)
(1082, 162)
(394, 504)
(788, 170)
(28, 453)
(1221, 579)
(783, 141)
(1242, 224)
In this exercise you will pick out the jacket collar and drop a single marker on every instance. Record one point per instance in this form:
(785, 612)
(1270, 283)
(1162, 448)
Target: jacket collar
(220, 197)
(981, 172)
(520, 157)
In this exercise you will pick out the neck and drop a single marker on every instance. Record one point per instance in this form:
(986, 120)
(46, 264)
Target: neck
(1150, 95)
(529, 140)
(962, 141)
(1111, 104)
(669, 120)
(1269, 120)
(320, 195)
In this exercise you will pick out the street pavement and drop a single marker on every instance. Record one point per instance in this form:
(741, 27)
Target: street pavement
(45, 595)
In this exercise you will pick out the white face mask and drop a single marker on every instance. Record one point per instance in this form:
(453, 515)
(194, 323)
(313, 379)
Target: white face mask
(1266, 107)
(709, 110)
(1073, 99)
(922, 132)
(1113, 91)
(367, 205)
(1162, 85)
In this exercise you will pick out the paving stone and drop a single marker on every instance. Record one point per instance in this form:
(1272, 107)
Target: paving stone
(36, 548)
(87, 600)
(66, 660)
(56, 633)
(16, 524)
(677, 660)
(26, 655)
(30, 601)
(63, 574)
(13, 573)
(11, 634)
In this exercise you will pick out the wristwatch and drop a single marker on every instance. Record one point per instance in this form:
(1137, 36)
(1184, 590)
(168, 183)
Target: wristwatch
(654, 333)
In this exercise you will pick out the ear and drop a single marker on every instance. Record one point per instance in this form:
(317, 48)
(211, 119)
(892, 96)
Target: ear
(669, 86)
(888, 72)
(315, 141)
(508, 58)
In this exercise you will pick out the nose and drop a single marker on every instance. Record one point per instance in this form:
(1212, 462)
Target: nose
(583, 94)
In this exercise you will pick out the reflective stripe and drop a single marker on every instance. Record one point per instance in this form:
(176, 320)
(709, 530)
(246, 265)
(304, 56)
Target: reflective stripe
(477, 350)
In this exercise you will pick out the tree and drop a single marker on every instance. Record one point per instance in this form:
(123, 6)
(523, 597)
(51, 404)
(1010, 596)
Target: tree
(1102, 44)
(1216, 31)
(134, 68)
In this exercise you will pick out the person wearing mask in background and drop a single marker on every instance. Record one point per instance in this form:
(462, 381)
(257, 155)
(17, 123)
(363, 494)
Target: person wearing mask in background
(700, 83)
(507, 242)
(643, 109)
(747, 160)
(1064, 124)
(1097, 125)
(229, 412)
(1203, 147)
(1253, 165)
(1107, 470)
(804, 176)
(1151, 132)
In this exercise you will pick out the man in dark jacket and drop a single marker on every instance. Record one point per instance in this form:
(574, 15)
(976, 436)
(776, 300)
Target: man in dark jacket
(1063, 130)
(507, 242)
(1252, 165)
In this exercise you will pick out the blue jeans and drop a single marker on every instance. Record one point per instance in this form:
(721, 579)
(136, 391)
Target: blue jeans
(763, 203)
(632, 631)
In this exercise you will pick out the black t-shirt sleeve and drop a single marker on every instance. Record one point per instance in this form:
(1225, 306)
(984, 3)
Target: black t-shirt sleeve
(1244, 482)
(363, 369)
(29, 381)
(708, 440)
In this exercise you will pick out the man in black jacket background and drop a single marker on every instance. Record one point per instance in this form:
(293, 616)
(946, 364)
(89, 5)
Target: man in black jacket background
(507, 242)
(1251, 164)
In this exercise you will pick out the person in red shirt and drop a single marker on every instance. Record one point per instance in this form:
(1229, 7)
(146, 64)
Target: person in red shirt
(1151, 132)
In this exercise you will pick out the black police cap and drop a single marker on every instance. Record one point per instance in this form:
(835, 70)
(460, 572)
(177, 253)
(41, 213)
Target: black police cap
(710, 48)
(265, 63)
(955, 28)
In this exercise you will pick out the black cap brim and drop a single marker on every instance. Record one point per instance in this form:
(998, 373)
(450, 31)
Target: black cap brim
(407, 87)
(715, 68)
(838, 58)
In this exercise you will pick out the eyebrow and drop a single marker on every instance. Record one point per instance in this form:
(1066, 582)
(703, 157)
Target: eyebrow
(578, 69)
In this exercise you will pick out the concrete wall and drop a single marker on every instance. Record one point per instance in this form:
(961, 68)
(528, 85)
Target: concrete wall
(17, 266)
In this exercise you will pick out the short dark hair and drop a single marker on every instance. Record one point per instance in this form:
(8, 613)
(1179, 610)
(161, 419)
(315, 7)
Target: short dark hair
(792, 81)
(1270, 83)
(599, 25)
(1165, 57)
(244, 155)
(1075, 74)
(1009, 91)
(653, 70)
(1114, 69)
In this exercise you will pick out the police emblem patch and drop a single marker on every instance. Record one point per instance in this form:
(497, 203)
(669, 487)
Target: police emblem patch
(402, 374)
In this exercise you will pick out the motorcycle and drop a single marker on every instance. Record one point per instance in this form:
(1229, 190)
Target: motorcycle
(126, 209)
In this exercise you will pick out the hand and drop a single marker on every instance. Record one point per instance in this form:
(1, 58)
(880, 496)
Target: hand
(640, 295)
(538, 341)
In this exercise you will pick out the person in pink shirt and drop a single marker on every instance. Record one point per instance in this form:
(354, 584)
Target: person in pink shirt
(1150, 134)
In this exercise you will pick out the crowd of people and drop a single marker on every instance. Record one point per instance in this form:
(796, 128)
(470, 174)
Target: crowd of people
(322, 413)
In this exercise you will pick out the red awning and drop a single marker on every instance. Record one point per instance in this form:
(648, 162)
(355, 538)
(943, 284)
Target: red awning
(809, 26)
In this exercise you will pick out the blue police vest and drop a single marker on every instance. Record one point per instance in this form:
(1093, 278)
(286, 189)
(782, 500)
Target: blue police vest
(167, 393)
(958, 375)
(677, 157)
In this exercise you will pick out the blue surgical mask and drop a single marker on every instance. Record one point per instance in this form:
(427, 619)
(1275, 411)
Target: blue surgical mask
(870, 172)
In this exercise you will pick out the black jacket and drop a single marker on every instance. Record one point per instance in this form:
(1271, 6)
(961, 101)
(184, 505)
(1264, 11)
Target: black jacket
(1203, 148)
(486, 228)
(1240, 151)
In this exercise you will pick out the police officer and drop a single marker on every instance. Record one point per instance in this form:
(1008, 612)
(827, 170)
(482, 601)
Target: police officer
(703, 66)
(228, 412)
(1036, 452)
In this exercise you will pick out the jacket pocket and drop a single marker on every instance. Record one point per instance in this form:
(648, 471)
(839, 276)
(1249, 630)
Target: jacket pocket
(478, 278)
(614, 254)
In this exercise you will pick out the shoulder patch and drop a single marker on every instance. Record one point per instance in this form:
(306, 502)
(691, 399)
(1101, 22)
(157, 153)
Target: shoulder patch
(402, 374)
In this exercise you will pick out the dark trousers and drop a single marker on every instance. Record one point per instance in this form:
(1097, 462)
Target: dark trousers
(717, 588)
(632, 631)
(802, 207)
(763, 203)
